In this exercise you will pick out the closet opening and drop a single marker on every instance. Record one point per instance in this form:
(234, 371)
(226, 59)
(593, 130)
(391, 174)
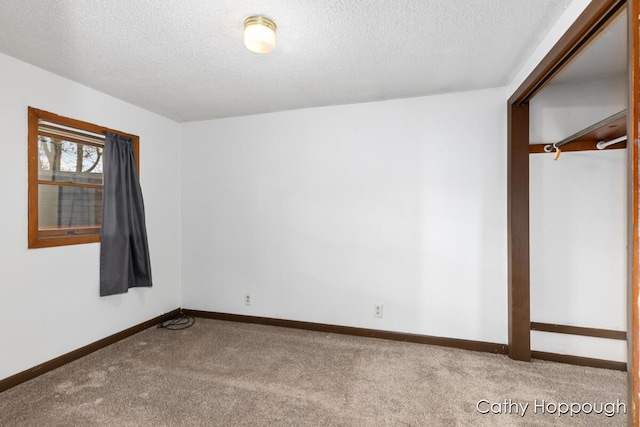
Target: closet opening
(567, 290)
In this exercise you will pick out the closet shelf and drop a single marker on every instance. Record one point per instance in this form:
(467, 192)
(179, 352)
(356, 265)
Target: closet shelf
(605, 130)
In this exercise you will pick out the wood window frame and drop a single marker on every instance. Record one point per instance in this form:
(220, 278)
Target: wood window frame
(40, 238)
(588, 25)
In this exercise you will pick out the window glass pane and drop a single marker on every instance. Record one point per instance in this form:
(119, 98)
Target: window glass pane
(68, 161)
(68, 207)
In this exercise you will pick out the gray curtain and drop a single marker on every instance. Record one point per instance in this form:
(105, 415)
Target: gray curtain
(124, 251)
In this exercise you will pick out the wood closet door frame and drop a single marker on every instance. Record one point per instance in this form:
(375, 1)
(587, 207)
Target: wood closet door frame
(583, 30)
(633, 122)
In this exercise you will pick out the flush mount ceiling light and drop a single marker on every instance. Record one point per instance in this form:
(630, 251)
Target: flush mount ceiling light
(259, 34)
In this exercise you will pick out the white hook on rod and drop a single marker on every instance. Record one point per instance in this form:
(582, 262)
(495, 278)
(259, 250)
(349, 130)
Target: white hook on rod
(604, 144)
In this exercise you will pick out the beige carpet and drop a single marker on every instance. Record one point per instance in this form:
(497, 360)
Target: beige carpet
(233, 374)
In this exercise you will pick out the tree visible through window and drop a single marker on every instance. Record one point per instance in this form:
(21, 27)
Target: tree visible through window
(65, 180)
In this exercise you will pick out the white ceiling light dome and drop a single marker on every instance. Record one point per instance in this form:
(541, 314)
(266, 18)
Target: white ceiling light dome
(259, 34)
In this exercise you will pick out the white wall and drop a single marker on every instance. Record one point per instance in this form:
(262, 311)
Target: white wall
(579, 249)
(322, 213)
(49, 297)
(578, 208)
(563, 109)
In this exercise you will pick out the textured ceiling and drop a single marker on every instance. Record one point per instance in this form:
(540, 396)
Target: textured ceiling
(186, 60)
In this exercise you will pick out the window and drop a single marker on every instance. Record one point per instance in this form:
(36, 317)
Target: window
(65, 179)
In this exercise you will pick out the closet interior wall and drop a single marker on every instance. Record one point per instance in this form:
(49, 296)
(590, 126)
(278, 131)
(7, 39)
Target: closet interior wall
(578, 217)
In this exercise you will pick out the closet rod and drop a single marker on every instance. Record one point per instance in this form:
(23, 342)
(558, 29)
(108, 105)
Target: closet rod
(601, 124)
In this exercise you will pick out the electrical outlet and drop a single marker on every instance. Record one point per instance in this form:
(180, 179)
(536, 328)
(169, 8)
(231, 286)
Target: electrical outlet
(247, 299)
(377, 310)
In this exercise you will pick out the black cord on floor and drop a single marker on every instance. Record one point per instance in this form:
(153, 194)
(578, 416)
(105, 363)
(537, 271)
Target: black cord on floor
(177, 322)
